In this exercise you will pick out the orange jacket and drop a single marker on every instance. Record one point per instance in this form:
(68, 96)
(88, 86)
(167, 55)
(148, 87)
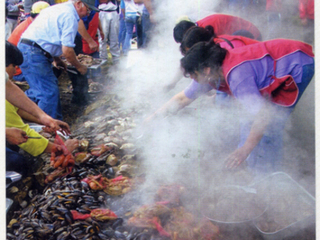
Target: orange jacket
(16, 35)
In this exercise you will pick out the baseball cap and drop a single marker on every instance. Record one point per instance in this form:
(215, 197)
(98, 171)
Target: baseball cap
(90, 4)
(38, 6)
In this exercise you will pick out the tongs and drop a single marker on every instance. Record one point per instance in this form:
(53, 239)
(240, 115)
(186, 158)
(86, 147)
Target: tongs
(12, 177)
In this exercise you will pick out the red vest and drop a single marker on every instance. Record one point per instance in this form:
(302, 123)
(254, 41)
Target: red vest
(245, 40)
(282, 90)
(92, 30)
(228, 24)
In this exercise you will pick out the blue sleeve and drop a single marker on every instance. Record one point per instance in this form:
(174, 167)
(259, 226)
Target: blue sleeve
(195, 90)
(243, 85)
(68, 27)
(122, 6)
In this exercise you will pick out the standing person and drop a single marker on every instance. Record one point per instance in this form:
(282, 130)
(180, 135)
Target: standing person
(17, 32)
(147, 22)
(268, 79)
(92, 24)
(130, 13)
(14, 7)
(222, 24)
(50, 35)
(306, 9)
(109, 18)
(273, 9)
(122, 26)
(139, 28)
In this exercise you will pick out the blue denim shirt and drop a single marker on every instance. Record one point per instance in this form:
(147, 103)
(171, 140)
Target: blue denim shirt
(54, 27)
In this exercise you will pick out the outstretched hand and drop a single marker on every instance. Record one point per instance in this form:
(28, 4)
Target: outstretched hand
(236, 158)
(53, 125)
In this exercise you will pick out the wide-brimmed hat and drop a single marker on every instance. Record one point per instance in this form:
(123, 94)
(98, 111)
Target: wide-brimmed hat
(90, 4)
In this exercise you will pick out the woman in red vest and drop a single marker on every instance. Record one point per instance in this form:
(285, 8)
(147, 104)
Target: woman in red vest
(268, 79)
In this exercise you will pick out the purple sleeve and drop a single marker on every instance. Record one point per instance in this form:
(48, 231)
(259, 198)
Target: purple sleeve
(243, 85)
(194, 90)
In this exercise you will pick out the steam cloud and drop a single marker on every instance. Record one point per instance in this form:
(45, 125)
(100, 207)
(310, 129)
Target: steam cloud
(189, 147)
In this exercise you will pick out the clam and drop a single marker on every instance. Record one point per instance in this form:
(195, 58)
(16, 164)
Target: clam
(127, 146)
(88, 124)
(100, 136)
(112, 160)
(112, 139)
(83, 145)
(14, 189)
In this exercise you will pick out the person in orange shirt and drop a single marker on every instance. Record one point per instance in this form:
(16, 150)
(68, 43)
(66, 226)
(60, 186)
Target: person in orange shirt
(16, 34)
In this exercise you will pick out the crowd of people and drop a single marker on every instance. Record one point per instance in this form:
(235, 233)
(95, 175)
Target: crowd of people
(221, 52)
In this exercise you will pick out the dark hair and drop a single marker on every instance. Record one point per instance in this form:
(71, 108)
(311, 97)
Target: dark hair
(202, 55)
(195, 35)
(180, 29)
(13, 55)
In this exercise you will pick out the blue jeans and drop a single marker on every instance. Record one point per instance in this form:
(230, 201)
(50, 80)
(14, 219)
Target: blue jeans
(38, 72)
(130, 21)
(146, 29)
(122, 32)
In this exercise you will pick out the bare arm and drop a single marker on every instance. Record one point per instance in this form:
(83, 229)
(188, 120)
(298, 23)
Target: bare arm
(70, 55)
(85, 35)
(63, 126)
(259, 125)
(18, 98)
(177, 102)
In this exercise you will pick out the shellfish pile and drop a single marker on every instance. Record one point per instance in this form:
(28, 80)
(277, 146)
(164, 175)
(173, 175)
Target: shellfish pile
(99, 197)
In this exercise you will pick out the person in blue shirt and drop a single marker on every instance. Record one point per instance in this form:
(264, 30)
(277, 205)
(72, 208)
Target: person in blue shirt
(49, 36)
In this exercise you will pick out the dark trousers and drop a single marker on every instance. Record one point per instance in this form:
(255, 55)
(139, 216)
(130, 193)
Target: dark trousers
(80, 88)
(16, 162)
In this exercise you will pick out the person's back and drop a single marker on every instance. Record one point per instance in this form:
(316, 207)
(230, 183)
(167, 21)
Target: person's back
(228, 24)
